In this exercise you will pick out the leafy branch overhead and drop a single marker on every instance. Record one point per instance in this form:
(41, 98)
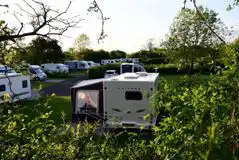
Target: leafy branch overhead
(95, 8)
(42, 20)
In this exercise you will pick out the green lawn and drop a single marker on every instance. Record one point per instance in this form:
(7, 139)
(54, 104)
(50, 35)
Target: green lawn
(56, 104)
(77, 73)
(72, 74)
(41, 84)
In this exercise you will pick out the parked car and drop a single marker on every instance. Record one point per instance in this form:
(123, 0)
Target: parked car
(37, 73)
(110, 73)
(55, 67)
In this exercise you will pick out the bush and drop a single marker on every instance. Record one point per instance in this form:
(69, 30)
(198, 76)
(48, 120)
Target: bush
(155, 61)
(99, 71)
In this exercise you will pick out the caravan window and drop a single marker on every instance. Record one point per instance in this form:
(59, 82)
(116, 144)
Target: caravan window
(57, 67)
(24, 84)
(2, 88)
(82, 65)
(133, 95)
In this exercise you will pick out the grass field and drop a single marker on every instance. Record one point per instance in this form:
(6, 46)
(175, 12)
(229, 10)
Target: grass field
(41, 84)
(56, 104)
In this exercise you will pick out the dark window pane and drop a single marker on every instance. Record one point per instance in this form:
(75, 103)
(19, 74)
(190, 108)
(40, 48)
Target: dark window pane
(24, 84)
(133, 95)
(126, 68)
(2, 88)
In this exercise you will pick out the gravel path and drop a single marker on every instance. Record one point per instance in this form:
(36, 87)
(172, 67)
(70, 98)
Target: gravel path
(62, 88)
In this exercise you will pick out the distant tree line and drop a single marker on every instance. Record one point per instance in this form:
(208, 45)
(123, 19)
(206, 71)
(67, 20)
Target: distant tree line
(189, 44)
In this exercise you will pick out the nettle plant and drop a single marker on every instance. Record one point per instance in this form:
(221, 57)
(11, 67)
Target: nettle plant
(203, 120)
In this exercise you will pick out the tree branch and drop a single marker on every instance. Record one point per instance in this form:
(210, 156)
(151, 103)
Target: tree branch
(204, 21)
(42, 16)
(95, 7)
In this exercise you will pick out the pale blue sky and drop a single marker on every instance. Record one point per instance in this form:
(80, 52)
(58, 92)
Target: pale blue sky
(132, 22)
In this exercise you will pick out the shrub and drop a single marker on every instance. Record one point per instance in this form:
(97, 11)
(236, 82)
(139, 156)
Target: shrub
(155, 61)
(99, 71)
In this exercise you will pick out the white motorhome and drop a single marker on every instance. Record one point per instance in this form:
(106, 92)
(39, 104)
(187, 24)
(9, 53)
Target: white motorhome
(19, 89)
(131, 67)
(55, 67)
(6, 69)
(120, 101)
(37, 73)
(108, 61)
(77, 65)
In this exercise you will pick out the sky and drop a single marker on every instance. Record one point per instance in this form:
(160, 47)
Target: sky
(132, 22)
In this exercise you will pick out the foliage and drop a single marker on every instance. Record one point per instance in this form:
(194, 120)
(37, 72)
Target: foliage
(190, 39)
(82, 42)
(99, 71)
(117, 54)
(203, 117)
(57, 74)
(149, 46)
(162, 60)
(37, 136)
(96, 56)
(43, 50)
(69, 54)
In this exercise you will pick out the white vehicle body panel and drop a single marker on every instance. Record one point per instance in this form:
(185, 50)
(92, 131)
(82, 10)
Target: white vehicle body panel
(20, 86)
(55, 67)
(125, 101)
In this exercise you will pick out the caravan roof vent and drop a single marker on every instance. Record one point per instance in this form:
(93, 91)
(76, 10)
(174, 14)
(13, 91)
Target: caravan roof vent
(131, 76)
(142, 73)
(114, 79)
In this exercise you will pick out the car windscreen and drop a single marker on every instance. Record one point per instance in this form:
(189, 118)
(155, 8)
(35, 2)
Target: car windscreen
(38, 70)
(110, 72)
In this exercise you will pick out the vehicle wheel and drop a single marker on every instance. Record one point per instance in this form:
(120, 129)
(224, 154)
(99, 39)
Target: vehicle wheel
(36, 79)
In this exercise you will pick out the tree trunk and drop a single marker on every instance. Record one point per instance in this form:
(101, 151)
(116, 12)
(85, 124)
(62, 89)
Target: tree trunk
(191, 67)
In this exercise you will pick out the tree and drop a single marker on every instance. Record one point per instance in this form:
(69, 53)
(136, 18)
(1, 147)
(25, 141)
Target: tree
(82, 42)
(117, 54)
(150, 45)
(189, 37)
(69, 54)
(36, 18)
(43, 50)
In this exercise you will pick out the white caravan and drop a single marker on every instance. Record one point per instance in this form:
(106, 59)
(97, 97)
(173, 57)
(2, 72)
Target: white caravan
(19, 89)
(37, 73)
(92, 64)
(77, 65)
(108, 61)
(131, 67)
(6, 69)
(120, 102)
(55, 67)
